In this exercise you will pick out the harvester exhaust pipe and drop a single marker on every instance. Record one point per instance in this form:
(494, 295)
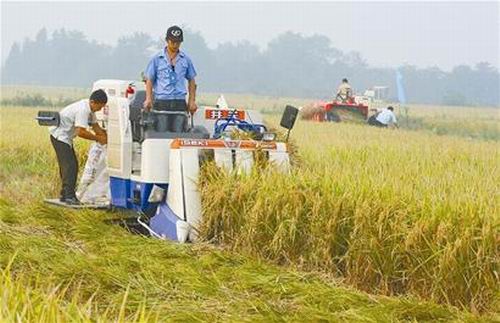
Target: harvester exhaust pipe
(288, 119)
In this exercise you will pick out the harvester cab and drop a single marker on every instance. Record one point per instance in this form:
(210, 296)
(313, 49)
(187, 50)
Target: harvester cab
(155, 172)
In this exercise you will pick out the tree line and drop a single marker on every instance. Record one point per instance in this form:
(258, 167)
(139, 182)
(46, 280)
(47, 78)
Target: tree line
(291, 65)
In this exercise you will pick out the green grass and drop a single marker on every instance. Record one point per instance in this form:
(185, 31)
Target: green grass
(67, 265)
(64, 265)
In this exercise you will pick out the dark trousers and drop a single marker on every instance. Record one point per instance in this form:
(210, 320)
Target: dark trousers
(372, 121)
(68, 167)
(172, 122)
(380, 124)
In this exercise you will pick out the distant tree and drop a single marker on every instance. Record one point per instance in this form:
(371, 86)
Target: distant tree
(354, 60)
(37, 54)
(203, 59)
(13, 65)
(291, 65)
(236, 68)
(488, 84)
(451, 97)
(299, 65)
(130, 56)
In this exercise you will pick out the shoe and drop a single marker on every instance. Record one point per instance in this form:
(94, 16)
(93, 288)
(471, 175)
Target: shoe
(71, 201)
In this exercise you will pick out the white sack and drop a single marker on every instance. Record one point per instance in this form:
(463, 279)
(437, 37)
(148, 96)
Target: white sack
(94, 183)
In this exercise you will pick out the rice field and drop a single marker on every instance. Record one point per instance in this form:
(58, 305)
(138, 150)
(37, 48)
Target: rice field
(391, 212)
(371, 225)
(466, 122)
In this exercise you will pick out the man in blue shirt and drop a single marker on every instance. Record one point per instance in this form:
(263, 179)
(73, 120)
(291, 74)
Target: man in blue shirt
(165, 77)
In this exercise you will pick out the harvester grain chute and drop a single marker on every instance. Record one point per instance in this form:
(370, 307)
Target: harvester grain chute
(155, 172)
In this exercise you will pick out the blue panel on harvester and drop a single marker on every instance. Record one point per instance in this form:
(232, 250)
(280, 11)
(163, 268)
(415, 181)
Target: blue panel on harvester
(120, 189)
(164, 223)
(139, 194)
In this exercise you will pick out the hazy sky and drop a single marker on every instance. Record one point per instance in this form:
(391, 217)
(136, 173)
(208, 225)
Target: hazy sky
(442, 34)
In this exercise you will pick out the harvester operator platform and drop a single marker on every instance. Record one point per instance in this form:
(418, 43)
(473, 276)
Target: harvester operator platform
(165, 81)
(74, 120)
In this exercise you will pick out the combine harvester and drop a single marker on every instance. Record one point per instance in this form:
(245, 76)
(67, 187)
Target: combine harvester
(336, 111)
(155, 172)
(354, 108)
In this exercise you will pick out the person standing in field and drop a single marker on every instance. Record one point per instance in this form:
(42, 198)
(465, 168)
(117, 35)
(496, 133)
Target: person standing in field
(384, 119)
(166, 76)
(74, 121)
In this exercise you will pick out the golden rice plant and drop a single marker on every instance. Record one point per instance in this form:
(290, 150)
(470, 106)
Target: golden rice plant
(388, 211)
(391, 212)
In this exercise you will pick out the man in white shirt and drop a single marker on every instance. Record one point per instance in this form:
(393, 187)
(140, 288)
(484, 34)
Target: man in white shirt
(386, 118)
(74, 120)
(344, 91)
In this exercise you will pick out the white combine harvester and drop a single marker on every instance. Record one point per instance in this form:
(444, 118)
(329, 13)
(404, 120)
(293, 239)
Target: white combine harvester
(155, 172)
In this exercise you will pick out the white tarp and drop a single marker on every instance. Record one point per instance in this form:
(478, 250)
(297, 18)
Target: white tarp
(94, 183)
